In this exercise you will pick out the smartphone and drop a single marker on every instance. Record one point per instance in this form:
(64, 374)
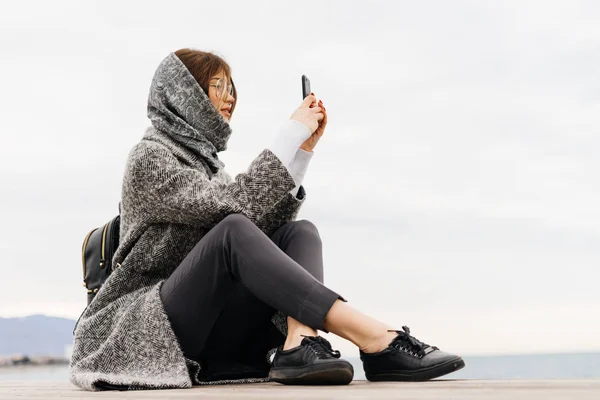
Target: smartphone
(305, 87)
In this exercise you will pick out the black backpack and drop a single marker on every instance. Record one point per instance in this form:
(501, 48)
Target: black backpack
(97, 252)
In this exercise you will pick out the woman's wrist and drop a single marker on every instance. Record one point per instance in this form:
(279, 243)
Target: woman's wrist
(307, 148)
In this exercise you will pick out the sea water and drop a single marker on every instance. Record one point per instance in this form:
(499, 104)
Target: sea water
(538, 366)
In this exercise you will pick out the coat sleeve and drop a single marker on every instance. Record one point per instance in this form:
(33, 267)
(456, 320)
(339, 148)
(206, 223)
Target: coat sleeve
(284, 211)
(158, 186)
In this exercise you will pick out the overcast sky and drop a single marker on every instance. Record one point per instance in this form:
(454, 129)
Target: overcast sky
(456, 188)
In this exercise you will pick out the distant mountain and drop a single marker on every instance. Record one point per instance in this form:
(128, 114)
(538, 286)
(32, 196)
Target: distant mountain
(35, 335)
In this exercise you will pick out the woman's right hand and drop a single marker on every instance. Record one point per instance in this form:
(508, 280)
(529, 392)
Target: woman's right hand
(309, 116)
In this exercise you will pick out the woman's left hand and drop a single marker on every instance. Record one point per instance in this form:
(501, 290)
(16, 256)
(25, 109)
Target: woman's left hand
(310, 143)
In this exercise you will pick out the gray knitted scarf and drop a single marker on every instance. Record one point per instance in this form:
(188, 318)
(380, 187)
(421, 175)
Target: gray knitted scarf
(178, 107)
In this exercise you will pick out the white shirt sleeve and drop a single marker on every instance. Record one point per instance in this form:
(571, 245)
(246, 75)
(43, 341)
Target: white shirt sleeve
(290, 137)
(298, 168)
(286, 146)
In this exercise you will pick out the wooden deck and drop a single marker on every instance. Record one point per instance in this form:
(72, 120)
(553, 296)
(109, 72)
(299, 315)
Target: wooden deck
(440, 389)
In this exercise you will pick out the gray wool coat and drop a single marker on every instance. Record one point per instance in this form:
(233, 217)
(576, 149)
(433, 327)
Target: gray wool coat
(174, 191)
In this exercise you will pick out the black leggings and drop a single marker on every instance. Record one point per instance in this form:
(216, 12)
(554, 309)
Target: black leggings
(221, 298)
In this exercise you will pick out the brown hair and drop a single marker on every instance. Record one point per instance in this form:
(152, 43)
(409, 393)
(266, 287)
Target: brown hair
(203, 66)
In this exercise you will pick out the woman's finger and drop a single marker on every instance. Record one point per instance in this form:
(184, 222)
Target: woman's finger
(323, 123)
(316, 109)
(308, 100)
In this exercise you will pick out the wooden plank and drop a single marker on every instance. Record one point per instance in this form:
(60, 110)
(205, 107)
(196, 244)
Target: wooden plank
(438, 389)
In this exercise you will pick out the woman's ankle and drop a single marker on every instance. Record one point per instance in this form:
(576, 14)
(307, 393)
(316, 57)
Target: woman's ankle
(377, 343)
(294, 337)
(296, 332)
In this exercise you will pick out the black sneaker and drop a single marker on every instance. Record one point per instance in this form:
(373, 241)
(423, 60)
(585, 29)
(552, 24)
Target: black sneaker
(314, 362)
(407, 359)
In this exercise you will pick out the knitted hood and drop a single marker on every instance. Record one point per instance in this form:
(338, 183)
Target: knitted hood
(178, 106)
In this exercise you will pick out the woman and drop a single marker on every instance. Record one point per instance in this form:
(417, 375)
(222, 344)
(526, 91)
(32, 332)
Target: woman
(213, 277)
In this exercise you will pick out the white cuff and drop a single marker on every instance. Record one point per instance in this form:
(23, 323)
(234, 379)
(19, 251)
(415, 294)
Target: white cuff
(298, 167)
(290, 137)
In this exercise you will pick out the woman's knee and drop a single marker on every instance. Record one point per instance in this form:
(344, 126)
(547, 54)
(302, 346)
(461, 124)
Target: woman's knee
(235, 220)
(237, 225)
(306, 228)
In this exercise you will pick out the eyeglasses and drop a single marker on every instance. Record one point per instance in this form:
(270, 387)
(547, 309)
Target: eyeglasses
(222, 87)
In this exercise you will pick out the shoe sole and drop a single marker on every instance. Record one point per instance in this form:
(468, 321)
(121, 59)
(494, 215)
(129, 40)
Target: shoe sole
(423, 374)
(334, 373)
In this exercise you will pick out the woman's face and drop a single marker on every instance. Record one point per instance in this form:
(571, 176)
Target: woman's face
(219, 94)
